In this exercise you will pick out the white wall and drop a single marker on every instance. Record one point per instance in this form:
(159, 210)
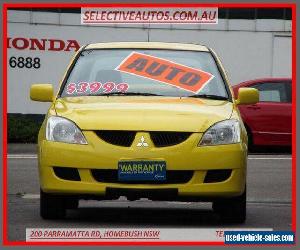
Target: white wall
(248, 49)
(282, 61)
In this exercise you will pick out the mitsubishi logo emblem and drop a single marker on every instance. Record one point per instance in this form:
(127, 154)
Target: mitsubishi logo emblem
(142, 143)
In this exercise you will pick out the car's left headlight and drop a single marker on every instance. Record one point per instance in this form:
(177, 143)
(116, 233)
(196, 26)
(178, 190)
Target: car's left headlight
(60, 129)
(224, 132)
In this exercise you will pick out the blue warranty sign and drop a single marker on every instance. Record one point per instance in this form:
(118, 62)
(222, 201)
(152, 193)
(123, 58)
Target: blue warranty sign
(142, 171)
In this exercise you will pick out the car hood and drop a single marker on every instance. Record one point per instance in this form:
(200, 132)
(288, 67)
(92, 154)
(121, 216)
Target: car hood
(142, 113)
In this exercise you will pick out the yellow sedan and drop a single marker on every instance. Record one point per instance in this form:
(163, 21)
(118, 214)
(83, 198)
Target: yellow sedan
(143, 120)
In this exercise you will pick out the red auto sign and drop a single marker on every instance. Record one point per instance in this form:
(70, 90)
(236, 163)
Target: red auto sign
(165, 71)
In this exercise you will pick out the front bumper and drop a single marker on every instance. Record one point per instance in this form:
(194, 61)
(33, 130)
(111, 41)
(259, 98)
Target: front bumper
(101, 155)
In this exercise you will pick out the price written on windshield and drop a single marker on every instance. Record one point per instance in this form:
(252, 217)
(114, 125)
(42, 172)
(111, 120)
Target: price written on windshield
(94, 87)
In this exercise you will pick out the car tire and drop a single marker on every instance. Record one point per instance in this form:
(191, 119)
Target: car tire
(232, 210)
(71, 202)
(52, 206)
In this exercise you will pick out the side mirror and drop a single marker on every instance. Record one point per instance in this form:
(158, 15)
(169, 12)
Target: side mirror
(247, 96)
(41, 92)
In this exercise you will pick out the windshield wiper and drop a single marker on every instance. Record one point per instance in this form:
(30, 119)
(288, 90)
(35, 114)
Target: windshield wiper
(125, 94)
(214, 97)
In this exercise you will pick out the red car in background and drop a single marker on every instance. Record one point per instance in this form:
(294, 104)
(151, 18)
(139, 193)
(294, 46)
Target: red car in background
(269, 122)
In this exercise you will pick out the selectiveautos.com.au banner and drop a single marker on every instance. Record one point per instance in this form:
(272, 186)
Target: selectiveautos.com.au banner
(150, 15)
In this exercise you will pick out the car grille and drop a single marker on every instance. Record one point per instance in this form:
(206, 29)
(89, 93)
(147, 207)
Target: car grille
(67, 173)
(217, 175)
(165, 139)
(125, 138)
(172, 177)
(117, 137)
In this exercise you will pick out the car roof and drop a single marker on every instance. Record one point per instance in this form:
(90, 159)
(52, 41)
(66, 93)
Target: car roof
(147, 45)
(265, 80)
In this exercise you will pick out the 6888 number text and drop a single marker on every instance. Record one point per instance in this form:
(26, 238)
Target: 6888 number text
(25, 62)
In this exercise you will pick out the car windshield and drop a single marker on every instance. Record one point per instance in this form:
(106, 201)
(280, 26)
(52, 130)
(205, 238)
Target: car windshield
(148, 72)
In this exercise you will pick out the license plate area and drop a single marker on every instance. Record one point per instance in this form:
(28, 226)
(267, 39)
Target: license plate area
(135, 171)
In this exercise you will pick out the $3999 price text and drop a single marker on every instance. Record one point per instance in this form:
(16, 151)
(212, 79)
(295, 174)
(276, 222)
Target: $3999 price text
(25, 62)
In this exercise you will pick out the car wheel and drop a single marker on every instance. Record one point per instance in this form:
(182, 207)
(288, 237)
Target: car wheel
(232, 209)
(52, 206)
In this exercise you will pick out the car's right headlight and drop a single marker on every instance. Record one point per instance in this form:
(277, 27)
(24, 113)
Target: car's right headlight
(60, 129)
(224, 132)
